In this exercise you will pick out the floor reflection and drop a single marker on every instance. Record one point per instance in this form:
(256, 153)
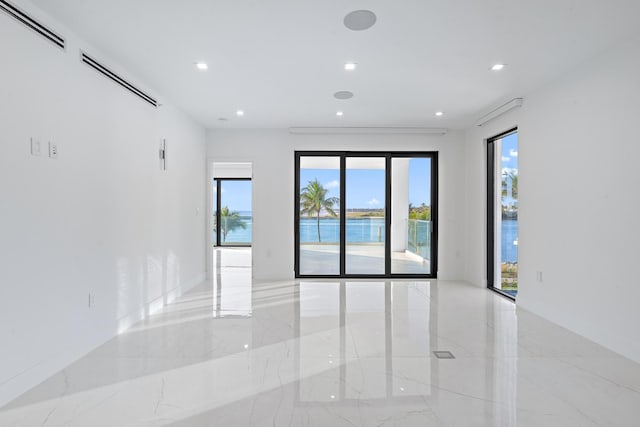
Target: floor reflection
(359, 259)
(385, 322)
(232, 282)
(239, 352)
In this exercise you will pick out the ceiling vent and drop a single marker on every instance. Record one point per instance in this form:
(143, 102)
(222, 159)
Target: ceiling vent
(31, 23)
(116, 78)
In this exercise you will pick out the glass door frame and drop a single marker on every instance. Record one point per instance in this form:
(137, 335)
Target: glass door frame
(491, 211)
(217, 185)
(388, 155)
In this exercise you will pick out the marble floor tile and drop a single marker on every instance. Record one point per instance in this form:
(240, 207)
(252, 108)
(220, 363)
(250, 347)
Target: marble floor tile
(236, 352)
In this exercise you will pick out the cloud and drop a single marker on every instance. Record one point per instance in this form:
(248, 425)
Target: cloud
(509, 170)
(373, 202)
(506, 158)
(332, 184)
(513, 153)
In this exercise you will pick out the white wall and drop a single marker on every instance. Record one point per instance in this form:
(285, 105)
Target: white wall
(272, 154)
(579, 199)
(231, 170)
(101, 219)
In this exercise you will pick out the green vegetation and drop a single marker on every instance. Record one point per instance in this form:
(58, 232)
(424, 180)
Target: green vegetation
(513, 177)
(230, 221)
(422, 212)
(509, 272)
(379, 213)
(313, 200)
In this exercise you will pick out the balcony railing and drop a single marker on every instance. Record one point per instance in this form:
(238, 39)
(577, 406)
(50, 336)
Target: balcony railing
(419, 237)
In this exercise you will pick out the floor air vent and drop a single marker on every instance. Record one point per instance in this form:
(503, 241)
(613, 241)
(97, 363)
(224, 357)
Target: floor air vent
(31, 23)
(116, 78)
(444, 354)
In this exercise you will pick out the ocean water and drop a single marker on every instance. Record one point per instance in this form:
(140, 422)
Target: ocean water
(239, 235)
(509, 236)
(364, 230)
(359, 230)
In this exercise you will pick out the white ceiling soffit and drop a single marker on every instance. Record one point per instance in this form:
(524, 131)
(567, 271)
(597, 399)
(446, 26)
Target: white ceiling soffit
(232, 170)
(319, 162)
(281, 61)
(366, 163)
(497, 112)
(331, 162)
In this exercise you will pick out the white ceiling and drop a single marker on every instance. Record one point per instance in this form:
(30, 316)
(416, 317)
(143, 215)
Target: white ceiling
(281, 60)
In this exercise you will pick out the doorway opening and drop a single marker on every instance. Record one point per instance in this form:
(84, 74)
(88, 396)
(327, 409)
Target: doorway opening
(230, 229)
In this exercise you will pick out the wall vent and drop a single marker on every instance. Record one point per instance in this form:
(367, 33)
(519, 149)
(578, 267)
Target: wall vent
(116, 78)
(32, 24)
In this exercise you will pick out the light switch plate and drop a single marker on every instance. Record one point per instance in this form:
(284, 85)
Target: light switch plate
(35, 147)
(53, 150)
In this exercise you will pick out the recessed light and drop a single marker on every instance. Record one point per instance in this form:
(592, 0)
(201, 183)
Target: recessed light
(201, 66)
(240, 113)
(339, 114)
(439, 113)
(350, 66)
(497, 67)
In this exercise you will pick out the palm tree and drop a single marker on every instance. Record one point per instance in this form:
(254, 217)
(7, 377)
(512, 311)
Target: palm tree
(230, 221)
(513, 177)
(313, 200)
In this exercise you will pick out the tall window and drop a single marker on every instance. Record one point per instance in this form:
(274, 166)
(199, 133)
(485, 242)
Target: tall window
(362, 214)
(502, 213)
(319, 215)
(233, 217)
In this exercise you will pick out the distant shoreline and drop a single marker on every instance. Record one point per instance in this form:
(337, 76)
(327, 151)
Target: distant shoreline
(359, 214)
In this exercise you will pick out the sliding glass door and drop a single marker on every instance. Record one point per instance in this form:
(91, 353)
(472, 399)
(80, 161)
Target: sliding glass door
(411, 224)
(365, 198)
(318, 227)
(366, 214)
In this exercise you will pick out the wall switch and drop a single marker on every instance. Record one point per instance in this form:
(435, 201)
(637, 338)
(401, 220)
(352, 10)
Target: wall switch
(539, 276)
(53, 150)
(91, 300)
(35, 147)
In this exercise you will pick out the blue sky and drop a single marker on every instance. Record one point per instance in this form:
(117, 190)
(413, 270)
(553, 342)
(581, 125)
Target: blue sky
(510, 152)
(365, 188)
(236, 195)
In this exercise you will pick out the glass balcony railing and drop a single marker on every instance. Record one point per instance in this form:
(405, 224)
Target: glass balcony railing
(419, 237)
(367, 231)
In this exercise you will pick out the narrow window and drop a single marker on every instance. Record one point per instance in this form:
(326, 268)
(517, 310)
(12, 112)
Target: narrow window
(502, 213)
(233, 218)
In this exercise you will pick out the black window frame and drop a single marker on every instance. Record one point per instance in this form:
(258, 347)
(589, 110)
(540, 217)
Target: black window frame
(388, 155)
(491, 194)
(218, 186)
